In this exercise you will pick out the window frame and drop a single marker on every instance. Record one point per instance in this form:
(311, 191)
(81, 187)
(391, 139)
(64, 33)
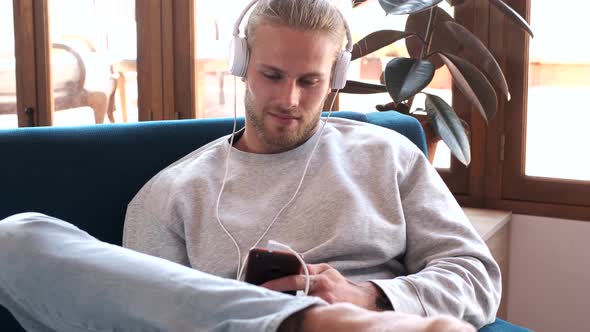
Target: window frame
(166, 53)
(465, 182)
(165, 38)
(32, 67)
(507, 186)
(167, 89)
(495, 178)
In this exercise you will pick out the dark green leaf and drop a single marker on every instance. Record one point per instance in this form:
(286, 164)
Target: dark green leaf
(475, 49)
(404, 77)
(375, 41)
(513, 15)
(403, 7)
(473, 84)
(417, 23)
(449, 127)
(357, 87)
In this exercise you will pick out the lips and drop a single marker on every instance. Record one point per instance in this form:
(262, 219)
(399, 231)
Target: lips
(283, 115)
(283, 118)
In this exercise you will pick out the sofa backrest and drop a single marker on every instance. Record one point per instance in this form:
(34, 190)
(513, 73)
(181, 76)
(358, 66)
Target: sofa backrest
(87, 175)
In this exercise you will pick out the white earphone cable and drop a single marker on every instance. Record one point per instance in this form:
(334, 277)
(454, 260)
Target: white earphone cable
(241, 265)
(227, 159)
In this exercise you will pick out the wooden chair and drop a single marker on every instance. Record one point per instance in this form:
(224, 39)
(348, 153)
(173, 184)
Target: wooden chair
(80, 78)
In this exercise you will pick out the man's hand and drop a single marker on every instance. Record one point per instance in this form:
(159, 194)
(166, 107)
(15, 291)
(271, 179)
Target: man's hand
(328, 284)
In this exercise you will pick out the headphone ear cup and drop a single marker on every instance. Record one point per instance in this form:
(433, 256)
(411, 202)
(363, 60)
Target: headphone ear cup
(340, 72)
(238, 57)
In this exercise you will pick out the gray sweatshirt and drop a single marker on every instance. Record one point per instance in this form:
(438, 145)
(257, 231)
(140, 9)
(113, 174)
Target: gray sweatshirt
(370, 205)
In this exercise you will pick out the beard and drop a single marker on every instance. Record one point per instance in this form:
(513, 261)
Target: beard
(280, 138)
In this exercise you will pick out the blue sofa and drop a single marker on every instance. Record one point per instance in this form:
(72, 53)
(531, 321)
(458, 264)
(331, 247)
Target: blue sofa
(87, 175)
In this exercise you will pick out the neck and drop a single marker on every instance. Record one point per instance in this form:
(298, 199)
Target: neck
(247, 143)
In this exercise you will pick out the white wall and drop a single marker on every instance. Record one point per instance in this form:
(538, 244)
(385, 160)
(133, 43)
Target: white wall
(549, 274)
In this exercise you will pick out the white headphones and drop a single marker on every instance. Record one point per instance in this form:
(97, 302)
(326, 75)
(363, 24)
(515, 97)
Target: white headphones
(239, 54)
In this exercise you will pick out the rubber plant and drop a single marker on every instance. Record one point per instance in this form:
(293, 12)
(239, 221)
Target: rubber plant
(433, 39)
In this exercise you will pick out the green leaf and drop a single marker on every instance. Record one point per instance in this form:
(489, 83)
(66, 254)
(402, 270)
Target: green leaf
(448, 126)
(473, 84)
(475, 49)
(375, 41)
(404, 77)
(513, 15)
(402, 7)
(357, 87)
(417, 24)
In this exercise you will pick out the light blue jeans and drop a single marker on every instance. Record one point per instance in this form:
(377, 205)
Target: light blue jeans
(55, 277)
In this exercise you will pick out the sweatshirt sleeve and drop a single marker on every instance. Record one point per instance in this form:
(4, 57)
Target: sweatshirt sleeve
(450, 269)
(146, 233)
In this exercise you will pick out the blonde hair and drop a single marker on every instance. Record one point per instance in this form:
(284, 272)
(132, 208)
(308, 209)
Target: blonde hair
(303, 15)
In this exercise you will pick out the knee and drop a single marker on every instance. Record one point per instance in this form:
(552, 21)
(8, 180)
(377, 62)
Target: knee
(24, 221)
(24, 230)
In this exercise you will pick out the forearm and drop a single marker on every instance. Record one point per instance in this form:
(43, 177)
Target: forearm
(449, 268)
(460, 287)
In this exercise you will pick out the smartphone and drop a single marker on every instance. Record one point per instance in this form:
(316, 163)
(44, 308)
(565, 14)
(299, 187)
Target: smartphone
(264, 265)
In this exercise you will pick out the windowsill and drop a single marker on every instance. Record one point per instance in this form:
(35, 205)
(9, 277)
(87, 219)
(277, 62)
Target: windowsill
(487, 222)
(493, 226)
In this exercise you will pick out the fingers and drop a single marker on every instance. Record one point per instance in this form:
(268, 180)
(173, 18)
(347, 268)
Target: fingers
(288, 283)
(324, 282)
(318, 268)
(318, 284)
(297, 282)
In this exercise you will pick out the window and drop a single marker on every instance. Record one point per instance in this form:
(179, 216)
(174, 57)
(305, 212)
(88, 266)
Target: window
(215, 88)
(8, 118)
(544, 168)
(79, 60)
(93, 56)
(559, 71)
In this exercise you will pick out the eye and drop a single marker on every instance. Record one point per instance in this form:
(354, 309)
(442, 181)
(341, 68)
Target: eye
(271, 76)
(309, 81)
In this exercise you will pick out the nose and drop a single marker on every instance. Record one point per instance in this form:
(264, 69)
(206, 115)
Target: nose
(289, 94)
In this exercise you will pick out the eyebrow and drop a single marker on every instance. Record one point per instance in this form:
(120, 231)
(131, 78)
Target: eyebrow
(308, 75)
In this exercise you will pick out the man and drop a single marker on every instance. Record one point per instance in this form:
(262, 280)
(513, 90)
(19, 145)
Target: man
(372, 218)
(376, 244)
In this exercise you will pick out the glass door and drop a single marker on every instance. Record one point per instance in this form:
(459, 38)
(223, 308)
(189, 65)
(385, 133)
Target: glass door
(94, 61)
(215, 86)
(8, 107)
